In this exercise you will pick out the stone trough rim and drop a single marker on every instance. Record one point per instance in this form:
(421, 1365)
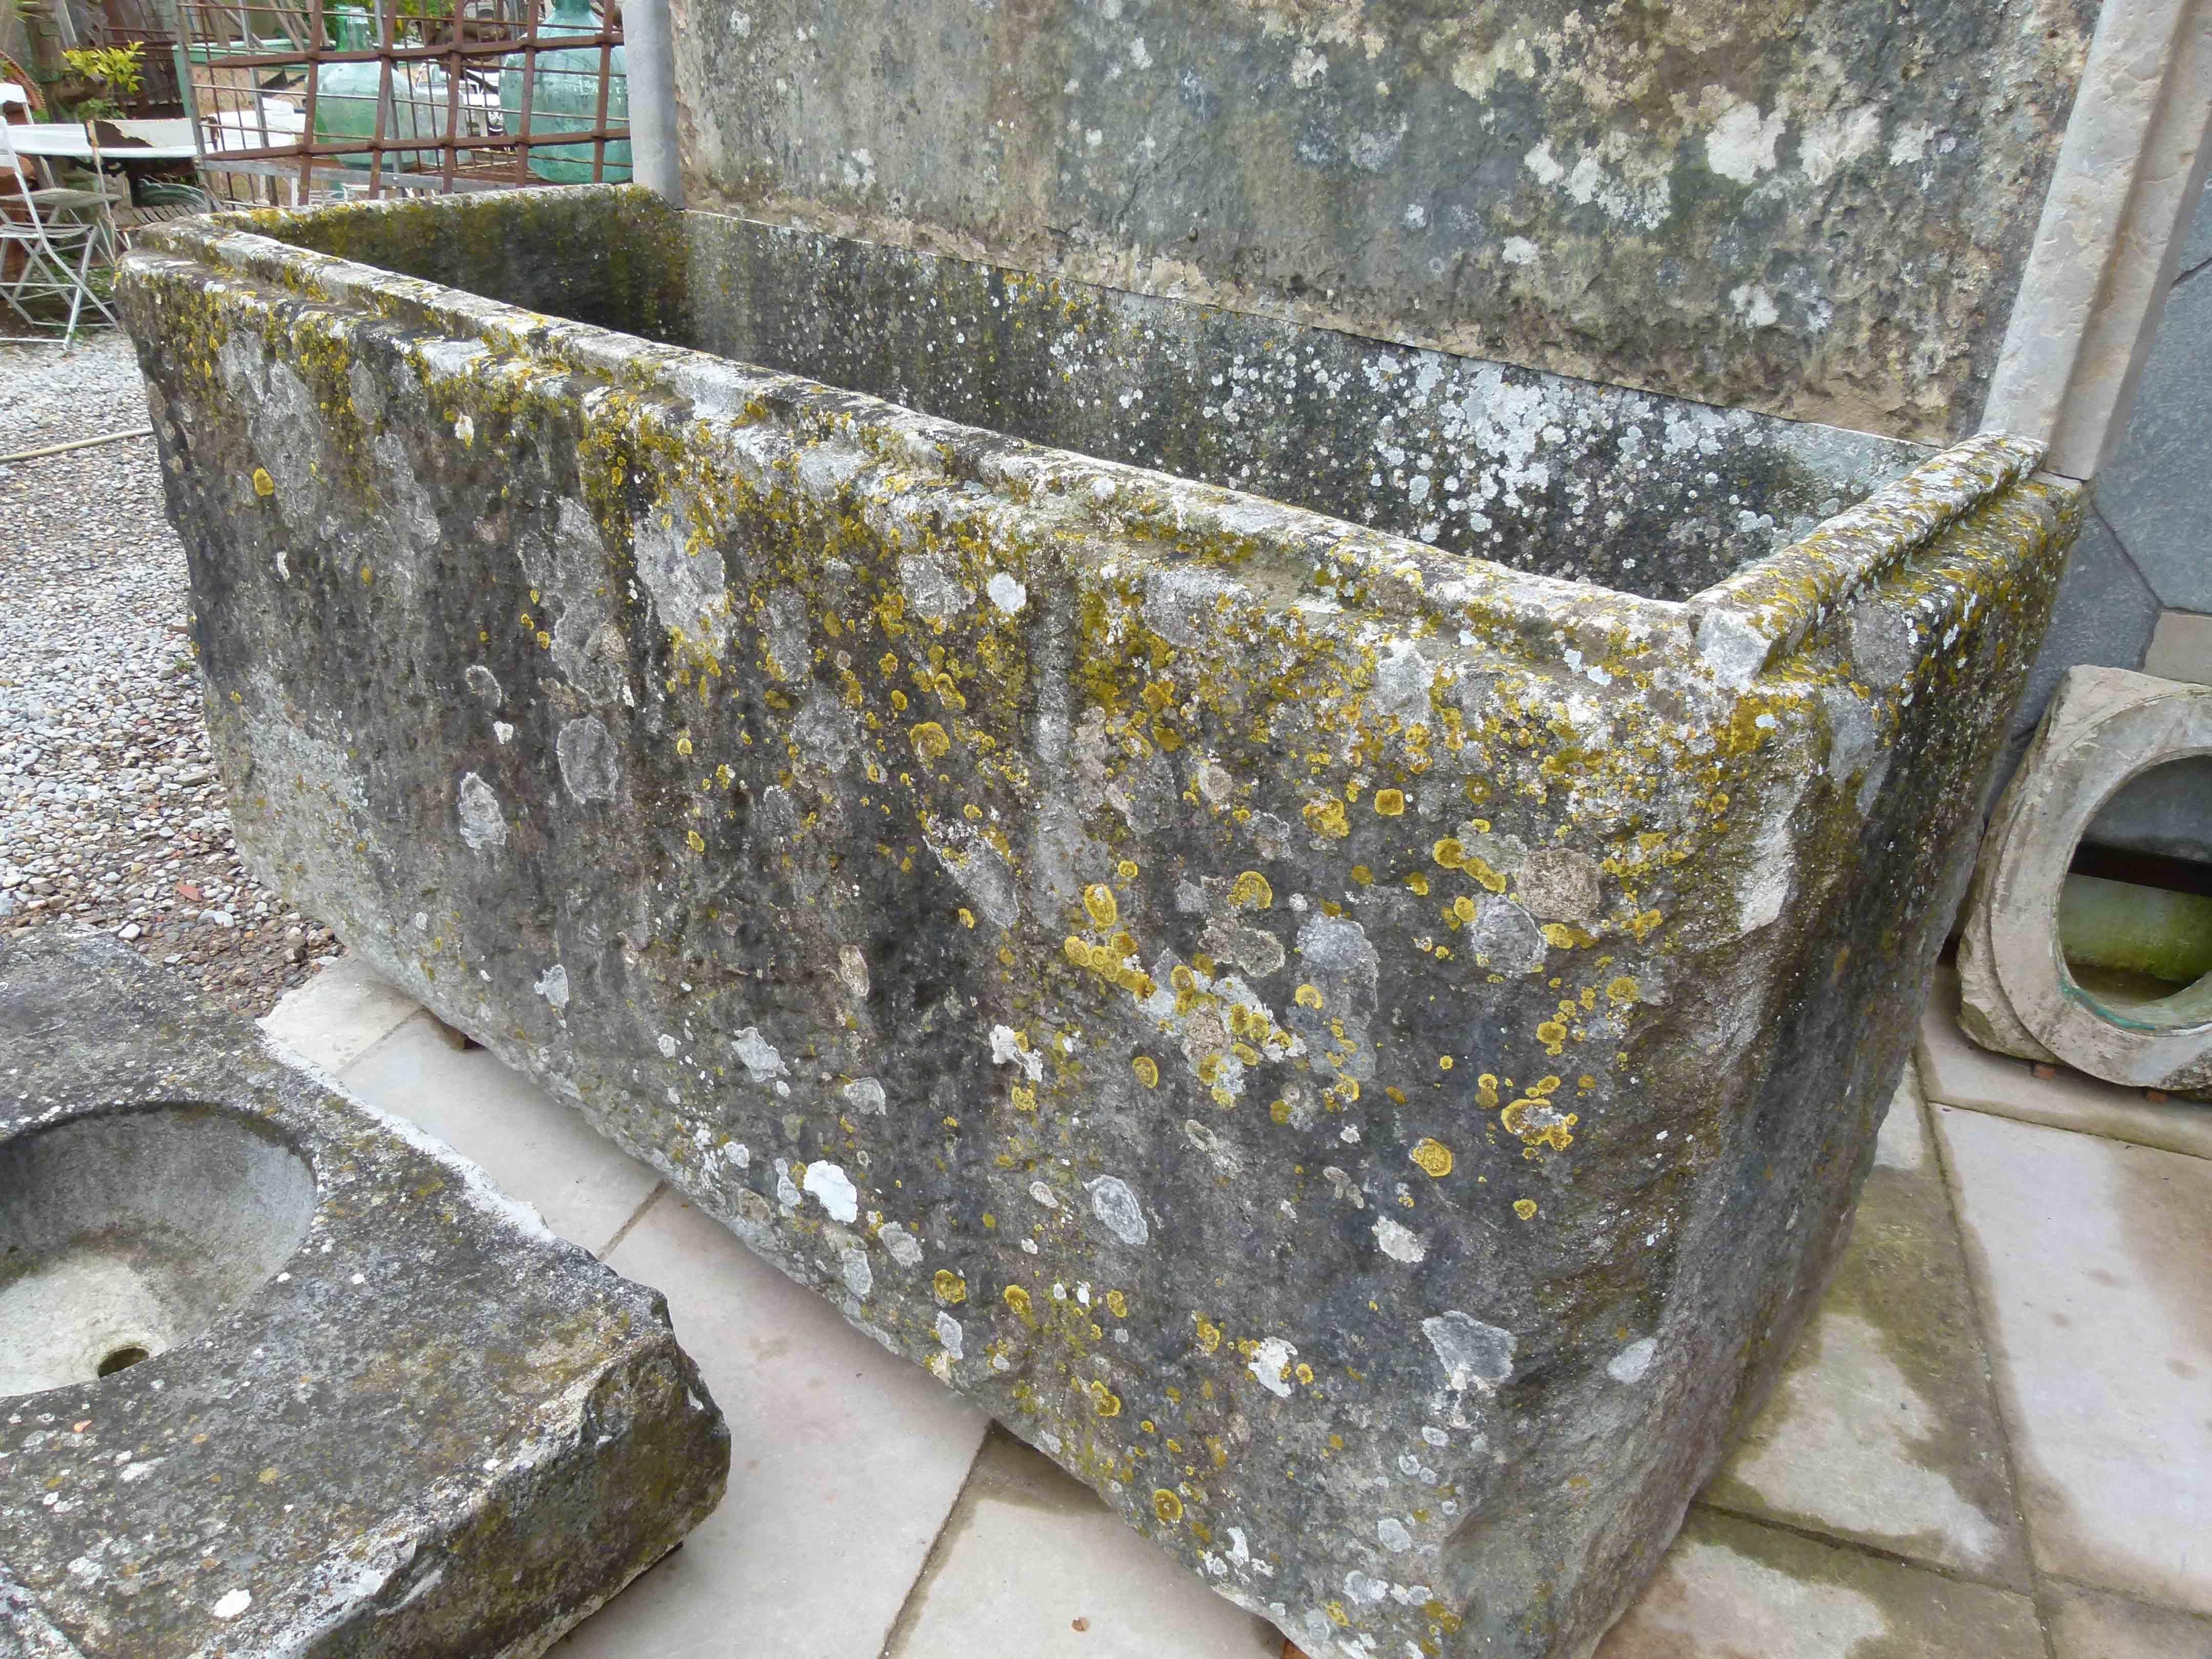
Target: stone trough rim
(1752, 622)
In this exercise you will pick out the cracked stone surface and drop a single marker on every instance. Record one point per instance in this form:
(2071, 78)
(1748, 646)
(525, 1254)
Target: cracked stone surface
(376, 1408)
(1360, 1054)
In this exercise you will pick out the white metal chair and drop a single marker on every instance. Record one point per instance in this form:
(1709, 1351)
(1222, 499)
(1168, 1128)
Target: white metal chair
(56, 245)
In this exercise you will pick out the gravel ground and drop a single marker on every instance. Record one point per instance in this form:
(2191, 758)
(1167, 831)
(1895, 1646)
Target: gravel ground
(110, 814)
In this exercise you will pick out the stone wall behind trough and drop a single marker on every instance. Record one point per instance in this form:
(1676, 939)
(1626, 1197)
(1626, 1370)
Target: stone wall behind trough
(1820, 212)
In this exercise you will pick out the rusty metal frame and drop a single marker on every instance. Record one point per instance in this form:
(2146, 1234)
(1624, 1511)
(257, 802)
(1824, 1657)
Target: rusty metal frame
(445, 42)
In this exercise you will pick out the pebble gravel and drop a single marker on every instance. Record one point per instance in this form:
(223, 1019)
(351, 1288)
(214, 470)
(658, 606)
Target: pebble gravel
(110, 815)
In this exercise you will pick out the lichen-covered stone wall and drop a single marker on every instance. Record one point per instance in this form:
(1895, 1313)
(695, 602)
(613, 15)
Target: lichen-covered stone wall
(1362, 1054)
(1815, 211)
(1653, 495)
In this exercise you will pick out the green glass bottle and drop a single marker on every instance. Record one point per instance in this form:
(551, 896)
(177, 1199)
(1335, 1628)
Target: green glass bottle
(564, 98)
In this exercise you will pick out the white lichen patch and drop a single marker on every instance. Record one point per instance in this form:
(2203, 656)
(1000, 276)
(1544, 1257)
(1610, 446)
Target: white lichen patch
(905, 1248)
(553, 986)
(1114, 1203)
(757, 1055)
(1270, 1365)
(1630, 1365)
(1474, 1355)
(1399, 1243)
(834, 1189)
(483, 826)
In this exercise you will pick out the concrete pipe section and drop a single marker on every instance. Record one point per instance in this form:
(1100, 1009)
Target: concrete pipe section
(2077, 968)
(1323, 928)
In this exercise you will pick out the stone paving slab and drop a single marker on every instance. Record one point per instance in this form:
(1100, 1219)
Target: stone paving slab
(583, 1184)
(850, 1460)
(2094, 1258)
(1033, 1566)
(1956, 1072)
(1884, 1428)
(339, 1015)
(1733, 1590)
(2086, 1623)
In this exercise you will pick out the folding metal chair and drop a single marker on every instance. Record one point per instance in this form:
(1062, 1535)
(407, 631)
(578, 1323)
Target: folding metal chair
(57, 247)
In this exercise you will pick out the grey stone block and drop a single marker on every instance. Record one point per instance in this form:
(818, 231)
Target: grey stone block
(1361, 1054)
(283, 1375)
(2157, 493)
(1808, 212)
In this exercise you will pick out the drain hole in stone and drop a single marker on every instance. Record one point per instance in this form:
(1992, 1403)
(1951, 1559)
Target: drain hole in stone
(2134, 915)
(121, 1360)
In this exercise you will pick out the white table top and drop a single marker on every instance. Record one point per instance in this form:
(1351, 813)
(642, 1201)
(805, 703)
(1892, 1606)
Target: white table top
(65, 140)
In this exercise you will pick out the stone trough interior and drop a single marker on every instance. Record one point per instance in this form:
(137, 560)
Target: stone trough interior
(1649, 494)
(125, 1235)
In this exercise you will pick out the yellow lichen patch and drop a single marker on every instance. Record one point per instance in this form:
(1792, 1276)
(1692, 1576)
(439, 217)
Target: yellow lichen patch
(1209, 1333)
(1525, 1208)
(1280, 1110)
(1117, 1304)
(1462, 909)
(1389, 803)
(1434, 1157)
(1620, 992)
(1482, 872)
(697, 841)
(1166, 1505)
(967, 917)
(1553, 1035)
(1024, 1097)
(264, 485)
(1098, 903)
(1307, 996)
(1147, 1070)
(930, 741)
(1418, 882)
(1326, 817)
(1104, 1401)
(1251, 891)
(1018, 1300)
(1486, 1092)
(1447, 853)
(950, 1287)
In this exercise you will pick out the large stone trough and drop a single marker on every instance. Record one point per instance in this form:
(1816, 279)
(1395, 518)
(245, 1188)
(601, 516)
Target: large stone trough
(1357, 1035)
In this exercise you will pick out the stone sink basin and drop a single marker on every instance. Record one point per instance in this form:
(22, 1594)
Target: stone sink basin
(1322, 928)
(279, 1375)
(124, 1235)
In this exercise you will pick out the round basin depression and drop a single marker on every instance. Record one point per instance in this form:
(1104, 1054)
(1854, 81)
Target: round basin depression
(126, 1233)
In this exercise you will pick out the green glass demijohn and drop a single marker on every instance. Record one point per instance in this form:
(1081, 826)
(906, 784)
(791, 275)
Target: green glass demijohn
(346, 95)
(564, 98)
